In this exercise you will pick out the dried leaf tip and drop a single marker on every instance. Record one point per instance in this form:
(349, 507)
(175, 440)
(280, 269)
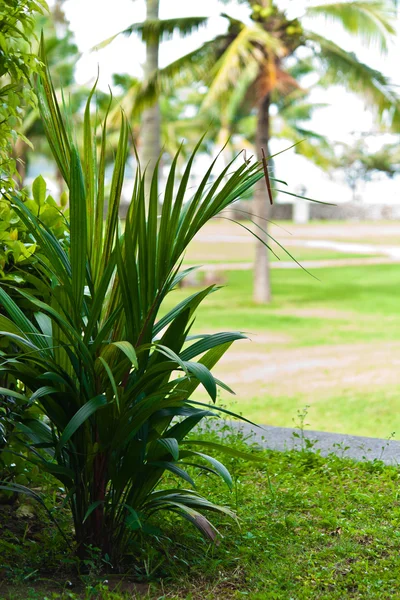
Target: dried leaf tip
(267, 180)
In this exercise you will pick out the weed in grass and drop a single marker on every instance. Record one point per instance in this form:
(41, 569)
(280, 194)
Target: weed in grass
(306, 444)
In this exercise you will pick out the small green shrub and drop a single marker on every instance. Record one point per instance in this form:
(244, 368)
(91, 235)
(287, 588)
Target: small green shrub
(112, 380)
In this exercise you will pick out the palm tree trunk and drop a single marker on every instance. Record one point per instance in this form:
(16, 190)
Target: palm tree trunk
(262, 284)
(151, 122)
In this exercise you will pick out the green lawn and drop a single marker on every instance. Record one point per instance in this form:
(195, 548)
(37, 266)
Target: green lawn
(370, 293)
(310, 527)
(331, 343)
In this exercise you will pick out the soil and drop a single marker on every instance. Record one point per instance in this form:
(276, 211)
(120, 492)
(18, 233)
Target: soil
(305, 370)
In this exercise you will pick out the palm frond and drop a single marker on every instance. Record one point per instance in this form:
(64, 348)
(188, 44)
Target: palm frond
(161, 29)
(247, 52)
(313, 136)
(344, 68)
(370, 20)
(126, 103)
(190, 68)
(294, 109)
(237, 95)
(308, 144)
(164, 29)
(302, 67)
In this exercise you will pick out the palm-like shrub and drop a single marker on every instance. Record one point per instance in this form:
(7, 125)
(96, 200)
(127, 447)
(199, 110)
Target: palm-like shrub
(112, 379)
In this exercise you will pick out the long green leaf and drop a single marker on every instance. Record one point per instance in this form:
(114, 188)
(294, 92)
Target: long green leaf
(86, 411)
(224, 449)
(129, 351)
(78, 217)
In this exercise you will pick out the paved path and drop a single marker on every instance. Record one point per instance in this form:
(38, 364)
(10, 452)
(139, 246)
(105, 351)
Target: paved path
(347, 247)
(337, 246)
(387, 254)
(348, 446)
(306, 264)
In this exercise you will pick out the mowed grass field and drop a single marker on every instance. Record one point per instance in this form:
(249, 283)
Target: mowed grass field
(332, 343)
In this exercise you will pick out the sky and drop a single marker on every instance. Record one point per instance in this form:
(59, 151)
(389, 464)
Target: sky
(93, 21)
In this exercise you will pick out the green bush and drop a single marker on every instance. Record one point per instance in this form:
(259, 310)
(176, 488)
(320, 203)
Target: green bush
(113, 380)
(20, 254)
(17, 244)
(17, 63)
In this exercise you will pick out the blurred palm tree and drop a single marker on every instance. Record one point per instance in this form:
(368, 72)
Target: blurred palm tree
(252, 59)
(152, 32)
(290, 118)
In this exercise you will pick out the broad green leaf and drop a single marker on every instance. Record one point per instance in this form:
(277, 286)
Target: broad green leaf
(211, 341)
(82, 415)
(39, 190)
(225, 450)
(132, 520)
(91, 508)
(112, 380)
(171, 445)
(129, 351)
(218, 466)
(21, 321)
(13, 394)
(43, 391)
(45, 325)
(175, 469)
(181, 429)
(191, 303)
(204, 376)
(78, 217)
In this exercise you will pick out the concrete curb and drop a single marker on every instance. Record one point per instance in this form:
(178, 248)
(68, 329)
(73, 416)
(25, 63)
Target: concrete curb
(345, 446)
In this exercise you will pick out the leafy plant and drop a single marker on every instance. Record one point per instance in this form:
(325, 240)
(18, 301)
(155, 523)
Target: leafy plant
(113, 378)
(19, 252)
(16, 242)
(17, 63)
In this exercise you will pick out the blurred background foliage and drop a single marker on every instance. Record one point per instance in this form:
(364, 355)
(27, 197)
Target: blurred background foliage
(215, 88)
(250, 84)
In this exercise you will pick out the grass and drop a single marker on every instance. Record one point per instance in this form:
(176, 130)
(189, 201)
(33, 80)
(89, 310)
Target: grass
(358, 294)
(330, 343)
(310, 527)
